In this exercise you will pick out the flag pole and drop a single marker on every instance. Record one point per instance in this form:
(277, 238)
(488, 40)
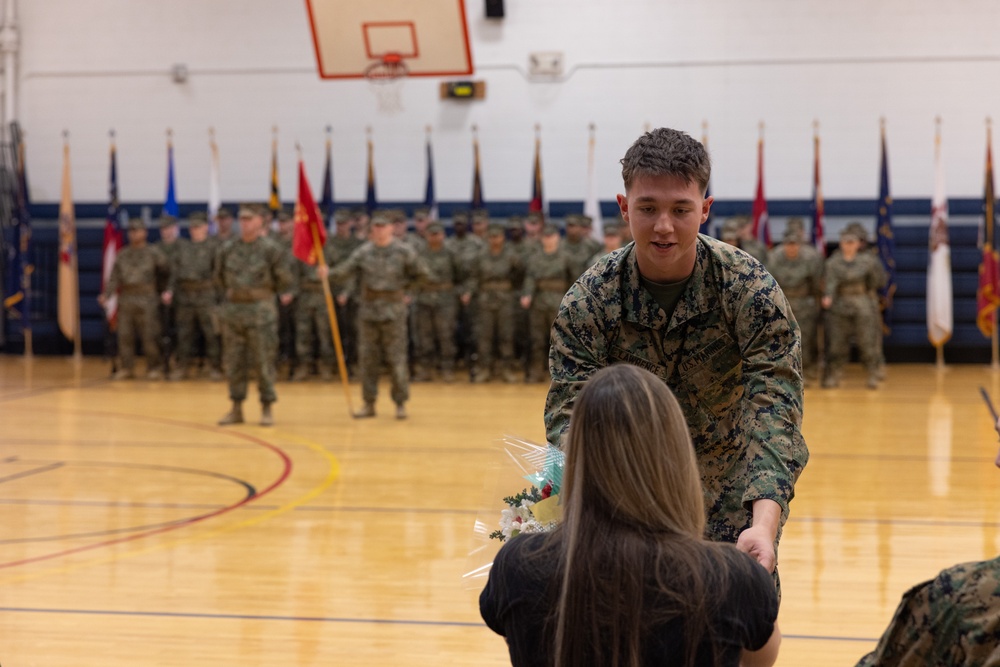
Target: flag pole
(994, 343)
(338, 346)
(29, 348)
(77, 343)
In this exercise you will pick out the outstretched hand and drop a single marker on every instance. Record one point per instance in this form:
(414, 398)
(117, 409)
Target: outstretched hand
(758, 542)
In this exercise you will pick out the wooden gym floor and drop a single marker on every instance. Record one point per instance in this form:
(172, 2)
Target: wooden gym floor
(136, 532)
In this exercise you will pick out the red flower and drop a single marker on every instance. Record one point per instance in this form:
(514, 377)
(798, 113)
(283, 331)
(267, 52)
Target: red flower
(546, 490)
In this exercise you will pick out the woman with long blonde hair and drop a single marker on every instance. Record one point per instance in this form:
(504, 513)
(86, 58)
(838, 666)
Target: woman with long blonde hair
(627, 579)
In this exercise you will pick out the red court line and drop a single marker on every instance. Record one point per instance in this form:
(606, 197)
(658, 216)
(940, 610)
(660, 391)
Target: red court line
(285, 473)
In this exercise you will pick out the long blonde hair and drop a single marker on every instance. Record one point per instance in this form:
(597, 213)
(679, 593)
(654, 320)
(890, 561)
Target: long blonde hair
(633, 514)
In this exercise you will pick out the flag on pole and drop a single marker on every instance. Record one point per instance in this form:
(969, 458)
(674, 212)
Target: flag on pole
(886, 240)
(112, 239)
(371, 202)
(939, 295)
(761, 228)
(537, 197)
(326, 200)
(988, 292)
(214, 191)
(477, 181)
(591, 204)
(170, 202)
(430, 201)
(69, 277)
(274, 203)
(309, 235)
(17, 297)
(816, 207)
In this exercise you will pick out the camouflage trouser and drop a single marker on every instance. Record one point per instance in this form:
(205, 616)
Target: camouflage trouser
(496, 325)
(194, 316)
(544, 308)
(383, 342)
(853, 315)
(347, 325)
(286, 332)
(139, 315)
(312, 323)
(250, 339)
(168, 333)
(436, 322)
(806, 312)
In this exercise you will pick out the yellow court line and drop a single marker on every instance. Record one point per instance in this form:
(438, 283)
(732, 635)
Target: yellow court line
(331, 477)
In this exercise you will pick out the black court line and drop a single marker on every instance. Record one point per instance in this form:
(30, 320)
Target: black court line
(326, 619)
(28, 473)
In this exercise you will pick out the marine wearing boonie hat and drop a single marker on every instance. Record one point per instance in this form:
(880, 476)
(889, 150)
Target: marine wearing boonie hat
(136, 223)
(496, 229)
(166, 220)
(197, 219)
(731, 229)
(342, 215)
(435, 228)
(381, 218)
(549, 230)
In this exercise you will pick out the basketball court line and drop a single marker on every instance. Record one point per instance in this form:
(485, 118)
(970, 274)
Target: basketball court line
(332, 474)
(328, 619)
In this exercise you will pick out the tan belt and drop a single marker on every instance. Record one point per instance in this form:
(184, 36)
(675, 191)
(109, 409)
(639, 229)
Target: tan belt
(311, 287)
(496, 286)
(436, 287)
(196, 285)
(138, 290)
(852, 289)
(551, 285)
(795, 292)
(382, 295)
(248, 294)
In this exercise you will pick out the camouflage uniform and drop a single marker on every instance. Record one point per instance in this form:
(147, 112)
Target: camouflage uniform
(522, 317)
(467, 249)
(341, 248)
(168, 312)
(579, 251)
(494, 277)
(249, 275)
(195, 297)
(546, 279)
(286, 312)
(137, 272)
(801, 281)
(381, 276)
(730, 354)
(436, 311)
(312, 322)
(854, 312)
(951, 620)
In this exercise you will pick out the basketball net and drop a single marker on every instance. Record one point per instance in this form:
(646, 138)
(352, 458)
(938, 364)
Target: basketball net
(385, 78)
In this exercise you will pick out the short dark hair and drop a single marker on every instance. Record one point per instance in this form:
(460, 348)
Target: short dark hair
(666, 152)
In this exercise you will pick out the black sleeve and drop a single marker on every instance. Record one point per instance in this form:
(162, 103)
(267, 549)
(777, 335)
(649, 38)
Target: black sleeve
(494, 603)
(752, 602)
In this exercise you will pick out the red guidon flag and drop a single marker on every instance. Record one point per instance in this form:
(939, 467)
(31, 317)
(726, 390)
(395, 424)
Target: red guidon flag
(310, 235)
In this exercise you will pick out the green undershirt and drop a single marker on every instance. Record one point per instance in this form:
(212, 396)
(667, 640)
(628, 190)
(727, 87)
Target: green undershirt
(667, 295)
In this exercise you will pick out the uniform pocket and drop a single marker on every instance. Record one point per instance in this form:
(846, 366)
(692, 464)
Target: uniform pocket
(713, 374)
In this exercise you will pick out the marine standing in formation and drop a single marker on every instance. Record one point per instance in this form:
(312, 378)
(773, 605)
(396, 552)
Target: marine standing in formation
(137, 271)
(798, 268)
(312, 322)
(381, 270)
(547, 276)
(494, 275)
(249, 271)
(195, 298)
(851, 279)
(437, 307)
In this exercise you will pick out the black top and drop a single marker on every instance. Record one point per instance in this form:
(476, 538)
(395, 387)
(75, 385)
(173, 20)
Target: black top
(523, 590)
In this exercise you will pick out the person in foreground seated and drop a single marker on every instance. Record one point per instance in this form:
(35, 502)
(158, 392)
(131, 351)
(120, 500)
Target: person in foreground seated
(953, 619)
(626, 578)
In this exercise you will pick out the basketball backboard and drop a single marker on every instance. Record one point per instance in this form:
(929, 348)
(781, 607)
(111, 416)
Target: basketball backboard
(429, 37)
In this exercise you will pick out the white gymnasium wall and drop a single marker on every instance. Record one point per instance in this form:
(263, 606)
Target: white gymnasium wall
(90, 65)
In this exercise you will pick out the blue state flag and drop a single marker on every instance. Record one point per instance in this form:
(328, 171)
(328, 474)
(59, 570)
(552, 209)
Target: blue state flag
(886, 241)
(170, 203)
(430, 200)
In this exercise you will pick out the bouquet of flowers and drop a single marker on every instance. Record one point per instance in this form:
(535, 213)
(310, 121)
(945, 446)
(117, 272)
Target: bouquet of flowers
(535, 509)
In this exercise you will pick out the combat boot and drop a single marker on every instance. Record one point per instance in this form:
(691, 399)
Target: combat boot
(234, 416)
(154, 374)
(872, 380)
(367, 411)
(178, 374)
(509, 376)
(400, 411)
(830, 382)
(482, 376)
(420, 374)
(266, 418)
(215, 375)
(301, 373)
(325, 373)
(448, 375)
(123, 374)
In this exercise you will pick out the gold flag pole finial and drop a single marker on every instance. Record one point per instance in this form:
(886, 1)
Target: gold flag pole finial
(170, 134)
(592, 127)
(65, 134)
(211, 133)
(704, 126)
(760, 128)
(816, 126)
(538, 129)
(428, 129)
